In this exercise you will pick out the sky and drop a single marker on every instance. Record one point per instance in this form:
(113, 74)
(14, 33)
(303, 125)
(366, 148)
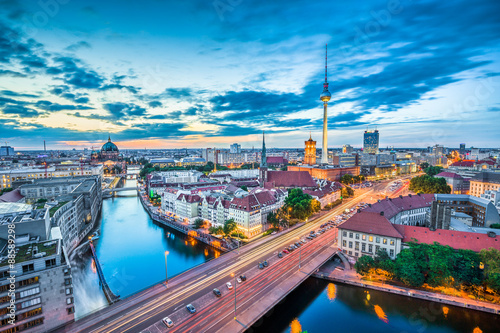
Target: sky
(208, 73)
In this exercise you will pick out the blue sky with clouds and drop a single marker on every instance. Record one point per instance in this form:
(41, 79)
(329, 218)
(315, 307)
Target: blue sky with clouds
(208, 73)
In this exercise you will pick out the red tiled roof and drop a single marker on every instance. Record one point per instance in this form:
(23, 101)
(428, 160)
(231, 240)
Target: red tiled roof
(456, 239)
(448, 175)
(391, 207)
(463, 164)
(276, 160)
(12, 196)
(253, 201)
(290, 179)
(371, 223)
(190, 198)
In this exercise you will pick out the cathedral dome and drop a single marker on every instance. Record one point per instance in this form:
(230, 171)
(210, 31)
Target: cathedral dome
(109, 146)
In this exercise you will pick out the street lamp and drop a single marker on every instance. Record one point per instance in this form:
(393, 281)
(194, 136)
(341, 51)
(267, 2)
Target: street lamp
(233, 274)
(166, 275)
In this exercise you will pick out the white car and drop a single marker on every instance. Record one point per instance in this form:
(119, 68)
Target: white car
(168, 322)
(273, 233)
(239, 280)
(229, 285)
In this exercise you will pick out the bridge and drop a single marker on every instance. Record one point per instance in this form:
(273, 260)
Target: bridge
(263, 288)
(110, 296)
(109, 192)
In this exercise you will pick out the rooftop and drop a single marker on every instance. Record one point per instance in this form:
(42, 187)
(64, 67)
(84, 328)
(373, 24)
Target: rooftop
(14, 208)
(32, 251)
(371, 223)
(487, 177)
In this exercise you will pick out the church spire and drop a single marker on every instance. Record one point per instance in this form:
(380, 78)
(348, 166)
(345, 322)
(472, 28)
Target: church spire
(263, 161)
(109, 138)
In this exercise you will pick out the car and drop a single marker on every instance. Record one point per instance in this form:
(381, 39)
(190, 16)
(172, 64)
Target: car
(261, 266)
(273, 233)
(229, 285)
(238, 280)
(168, 322)
(191, 308)
(286, 251)
(312, 232)
(243, 277)
(217, 292)
(265, 263)
(280, 255)
(309, 237)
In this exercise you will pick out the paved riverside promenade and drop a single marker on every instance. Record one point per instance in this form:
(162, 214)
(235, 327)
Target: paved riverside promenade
(330, 272)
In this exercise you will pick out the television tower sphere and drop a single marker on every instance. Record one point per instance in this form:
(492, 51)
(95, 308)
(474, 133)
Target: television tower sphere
(325, 95)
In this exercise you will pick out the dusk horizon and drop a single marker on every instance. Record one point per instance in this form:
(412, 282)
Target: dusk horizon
(201, 74)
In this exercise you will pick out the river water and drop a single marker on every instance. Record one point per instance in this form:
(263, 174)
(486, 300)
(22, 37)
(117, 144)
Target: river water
(131, 250)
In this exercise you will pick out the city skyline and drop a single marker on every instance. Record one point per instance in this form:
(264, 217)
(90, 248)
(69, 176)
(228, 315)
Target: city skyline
(191, 75)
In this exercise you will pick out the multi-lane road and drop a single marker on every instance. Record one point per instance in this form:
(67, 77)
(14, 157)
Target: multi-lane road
(146, 308)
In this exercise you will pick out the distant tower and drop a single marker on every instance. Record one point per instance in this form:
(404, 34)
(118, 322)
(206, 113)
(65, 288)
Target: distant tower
(44, 146)
(263, 162)
(325, 97)
(310, 153)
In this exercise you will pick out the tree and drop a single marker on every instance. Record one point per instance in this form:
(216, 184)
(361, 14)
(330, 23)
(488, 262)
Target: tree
(315, 206)
(364, 264)
(216, 230)
(298, 204)
(272, 219)
(466, 269)
(198, 223)
(433, 170)
(424, 165)
(229, 227)
(383, 261)
(491, 260)
(346, 179)
(408, 269)
(428, 184)
(244, 188)
(347, 192)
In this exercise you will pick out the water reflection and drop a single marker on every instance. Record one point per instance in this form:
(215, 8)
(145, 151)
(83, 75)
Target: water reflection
(357, 310)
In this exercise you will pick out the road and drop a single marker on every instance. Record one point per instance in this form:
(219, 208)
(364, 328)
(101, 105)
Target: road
(146, 308)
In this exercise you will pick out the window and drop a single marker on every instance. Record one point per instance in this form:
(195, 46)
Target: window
(344, 233)
(392, 241)
(27, 282)
(69, 300)
(29, 292)
(385, 241)
(344, 243)
(370, 238)
(377, 248)
(50, 263)
(391, 253)
(28, 268)
(363, 247)
(67, 282)
(370, 248)
(34, 323)
(69, 291)
(377, 239)
(71, 310)
(350, 235)
(363, 237)
(350, 245)
(31, 302)
(357, 236)
(356, 246)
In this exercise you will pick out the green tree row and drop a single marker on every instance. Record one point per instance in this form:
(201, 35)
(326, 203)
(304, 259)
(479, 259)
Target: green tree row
(437, 265)
(350, 179)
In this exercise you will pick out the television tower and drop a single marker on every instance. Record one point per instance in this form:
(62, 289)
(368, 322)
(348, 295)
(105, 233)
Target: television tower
(325, 97)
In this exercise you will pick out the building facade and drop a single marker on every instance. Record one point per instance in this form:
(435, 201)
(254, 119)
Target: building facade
(310, 152)
(484, 181)
(371, 142)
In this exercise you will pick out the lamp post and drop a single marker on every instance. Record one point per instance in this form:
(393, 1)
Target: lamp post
(166, 275)
(233, 274)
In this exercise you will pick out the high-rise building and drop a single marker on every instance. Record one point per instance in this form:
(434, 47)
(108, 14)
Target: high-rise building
(310, 152)
(438, 150)
(347, 149)
(235, 148)
(6, 151)
(371, 142)
(325, 97)
(462, 148)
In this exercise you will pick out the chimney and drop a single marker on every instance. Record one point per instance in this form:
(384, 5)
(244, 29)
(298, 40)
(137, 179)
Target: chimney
(409, 194)
(382, 213)
(400, 196)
